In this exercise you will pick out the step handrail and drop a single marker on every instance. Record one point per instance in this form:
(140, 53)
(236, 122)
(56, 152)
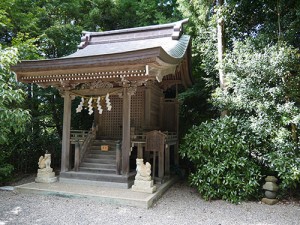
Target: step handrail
(80, 149)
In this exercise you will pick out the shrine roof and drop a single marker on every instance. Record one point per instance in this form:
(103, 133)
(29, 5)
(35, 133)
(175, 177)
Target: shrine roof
(143, 53)
(174, 48)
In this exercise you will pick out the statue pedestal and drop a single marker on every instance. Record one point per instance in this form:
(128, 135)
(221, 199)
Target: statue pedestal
(45, 176)
(144, 186)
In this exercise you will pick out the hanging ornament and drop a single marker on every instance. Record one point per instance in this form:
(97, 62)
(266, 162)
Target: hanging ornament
(90, 107)
(99, 105)
(108, 104)
(80, 106)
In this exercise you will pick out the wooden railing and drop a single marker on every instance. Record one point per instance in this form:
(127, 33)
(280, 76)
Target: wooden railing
(141, 137)
(78, 135)
(82, 140)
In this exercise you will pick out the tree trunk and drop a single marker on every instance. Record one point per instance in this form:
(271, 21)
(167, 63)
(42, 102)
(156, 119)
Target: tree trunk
(221, 49)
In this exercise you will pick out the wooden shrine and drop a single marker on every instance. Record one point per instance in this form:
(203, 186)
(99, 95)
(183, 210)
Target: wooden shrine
(124, 78)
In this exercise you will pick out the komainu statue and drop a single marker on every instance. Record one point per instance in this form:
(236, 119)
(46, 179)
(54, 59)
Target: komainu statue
(44, 162)
(143, 182)
(45, 172)
(143, 171)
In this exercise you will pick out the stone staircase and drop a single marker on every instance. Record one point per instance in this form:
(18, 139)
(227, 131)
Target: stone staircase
(98, 168)
(97, 161)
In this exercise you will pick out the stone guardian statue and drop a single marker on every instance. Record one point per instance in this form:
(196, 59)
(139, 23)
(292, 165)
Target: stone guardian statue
(45, 172)
(143, 181)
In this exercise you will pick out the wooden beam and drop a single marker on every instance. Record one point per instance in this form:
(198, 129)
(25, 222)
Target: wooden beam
(65, 151)
(126, 131)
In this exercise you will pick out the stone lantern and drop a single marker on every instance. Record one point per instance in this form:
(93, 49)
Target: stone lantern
(271, 189)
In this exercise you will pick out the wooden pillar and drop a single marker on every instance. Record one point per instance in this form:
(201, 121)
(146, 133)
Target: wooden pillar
(118, 158)
(139, 150)
(126, 131)
(161, 164)
(176, 154)
(161, 116)
(65, 151)
(77, 156)
(167, 160)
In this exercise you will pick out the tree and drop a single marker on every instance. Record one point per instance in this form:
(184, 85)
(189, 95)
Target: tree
(257, 136)
(262, 70)
(12, 118)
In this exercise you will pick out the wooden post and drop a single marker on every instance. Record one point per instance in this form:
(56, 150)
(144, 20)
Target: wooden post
(161, 164)
(161, 115)
(154, 165)
(118, 158)
(140, 151)
(167, 160)
(147, 122)
(65, 151)
(176, 154)
(126, 130)
(77, 156)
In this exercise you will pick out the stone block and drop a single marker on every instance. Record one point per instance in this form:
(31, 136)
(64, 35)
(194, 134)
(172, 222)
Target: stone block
(269, 201)
(270, 194)
(46, 175)
(143, 183)
(271, 179)
(270, 186)
(45, 179)
(45, 170)
(149, 190)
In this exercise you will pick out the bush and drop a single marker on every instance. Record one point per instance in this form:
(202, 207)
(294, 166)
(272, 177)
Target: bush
(5, 169)
(262, 96)
(220, 151)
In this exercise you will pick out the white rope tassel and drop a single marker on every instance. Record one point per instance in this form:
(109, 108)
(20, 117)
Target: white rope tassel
(80, 106)
(99, 105)
(108, 104)
(90, 107)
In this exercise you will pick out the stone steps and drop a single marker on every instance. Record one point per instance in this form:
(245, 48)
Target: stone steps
(108, 180)
(99, 170)
(98, 167)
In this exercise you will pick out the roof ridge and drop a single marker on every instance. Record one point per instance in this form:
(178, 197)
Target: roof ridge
(174, 30)
(135, 29)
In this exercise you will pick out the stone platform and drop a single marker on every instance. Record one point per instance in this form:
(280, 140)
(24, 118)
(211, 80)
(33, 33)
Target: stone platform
(110, 195)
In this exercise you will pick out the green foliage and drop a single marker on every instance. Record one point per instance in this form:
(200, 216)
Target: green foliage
(5, 171)
(220, 150)
(260, 84)
(259, 132)
(12, 118)
(262, 77)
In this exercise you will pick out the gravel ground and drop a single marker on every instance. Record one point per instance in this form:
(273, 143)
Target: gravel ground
(179, 205)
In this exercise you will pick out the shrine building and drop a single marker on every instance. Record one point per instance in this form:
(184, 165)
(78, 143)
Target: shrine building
(128, 80)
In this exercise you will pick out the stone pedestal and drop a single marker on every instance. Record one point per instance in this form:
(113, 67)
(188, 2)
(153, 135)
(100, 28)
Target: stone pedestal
(45, 176)
(270, 188)
(144, 186)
